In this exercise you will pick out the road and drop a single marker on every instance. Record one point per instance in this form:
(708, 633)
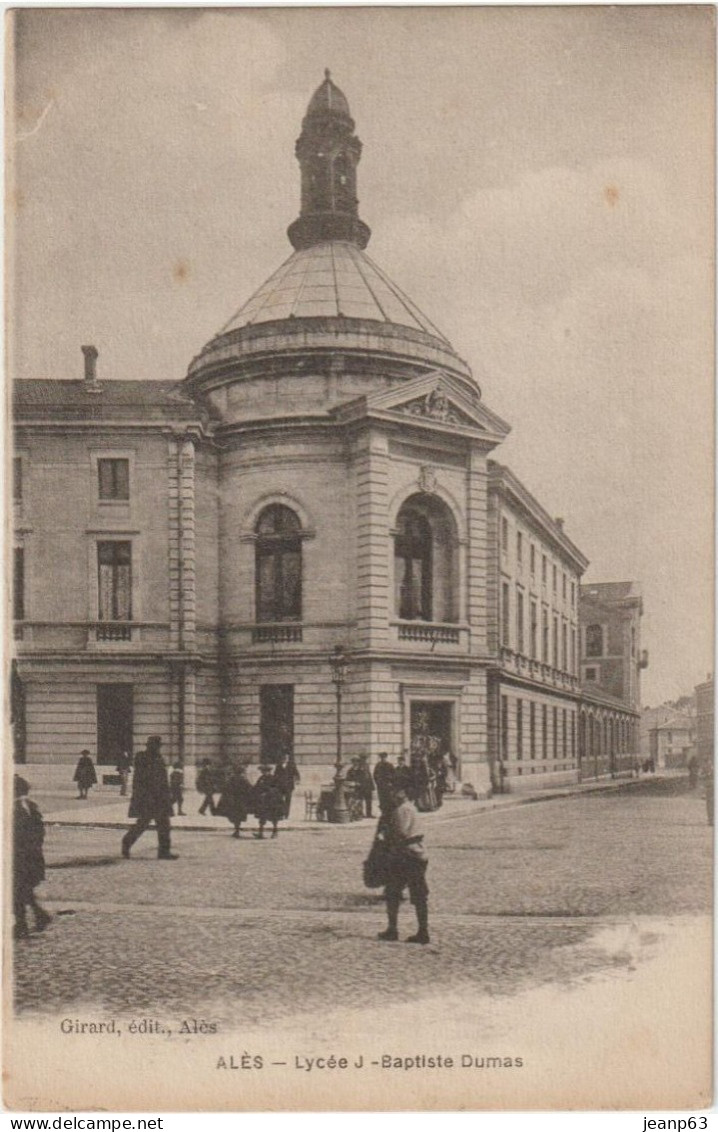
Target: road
(527, 901)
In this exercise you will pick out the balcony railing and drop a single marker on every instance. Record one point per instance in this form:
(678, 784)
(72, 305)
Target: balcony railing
(276, 634)
(447, 634)
(114, 631)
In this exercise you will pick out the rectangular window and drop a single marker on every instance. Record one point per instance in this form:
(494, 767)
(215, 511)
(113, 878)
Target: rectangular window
(544, 635)
(555, 579)
(564, 647)
(544, 569)
(534, 631)
(115, 728)
(555, 641)
(573, 652)
(504, 534)
(519, 621)
(17, 479)
(573, 593)
(573, 735)
(519, 729)
(532, 729)
(564, 735)
(18, 584)
(591, 674)
(505, 615)
(519, 546)
(532, 558)
(563, 590)
(113, 478)
(544, 731)
(555, 732)
(114, 570)
(504, 727)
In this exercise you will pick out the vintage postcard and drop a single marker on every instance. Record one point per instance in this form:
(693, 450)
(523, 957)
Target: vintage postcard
(360, 523)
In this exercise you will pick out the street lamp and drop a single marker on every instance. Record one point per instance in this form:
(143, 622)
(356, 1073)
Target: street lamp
(338, 664)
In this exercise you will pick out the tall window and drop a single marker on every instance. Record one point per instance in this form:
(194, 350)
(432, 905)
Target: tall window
(519, 621)
(544, 636)
(555, 732)
(114, 576)
(564, 647)
(544, 731)
(544, 569)
(573, 593)
(555, 579)
(563, 590)
(564, 735)
(519, 547)
(519, 729)
(425, 561)
(113, 479)
(594, 640)
(532, 558)
(505, 615)
(555, 641)
(573, 735)
(504, 534)
(17, 479)
(504, 727)
(532, 729)
(18, 584)
(534, 631)
(278, 562)
(573, 651)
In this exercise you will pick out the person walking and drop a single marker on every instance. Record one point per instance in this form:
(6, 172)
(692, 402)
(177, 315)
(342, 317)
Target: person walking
(384, 778)
(235, 801)
(404, 778)
(205, 784)
(84, 775)
(124, 763)
(267, 801)
(361, 775)
(286, 776)
(176, 780)
(150, 800)
(406, 865)
(28, 861)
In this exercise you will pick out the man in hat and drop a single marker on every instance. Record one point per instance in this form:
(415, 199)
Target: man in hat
(407, 863)
(403, 777)
(361, 776)
(150, 800)
(267, 800)
(384, 779)
(28, 863)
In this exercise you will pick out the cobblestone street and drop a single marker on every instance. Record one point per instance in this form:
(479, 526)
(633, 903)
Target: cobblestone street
(263, 930)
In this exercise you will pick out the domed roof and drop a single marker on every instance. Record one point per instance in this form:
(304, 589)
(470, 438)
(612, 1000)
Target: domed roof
(328, 96)
(331, 280)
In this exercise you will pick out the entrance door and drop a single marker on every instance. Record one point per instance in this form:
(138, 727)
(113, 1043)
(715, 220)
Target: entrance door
(276, 721)
(114, 722)
(431, 728)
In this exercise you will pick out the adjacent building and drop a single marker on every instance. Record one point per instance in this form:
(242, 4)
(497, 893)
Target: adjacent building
(189, 557)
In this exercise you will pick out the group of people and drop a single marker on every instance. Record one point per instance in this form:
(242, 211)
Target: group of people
(425, 780)
(269, 798)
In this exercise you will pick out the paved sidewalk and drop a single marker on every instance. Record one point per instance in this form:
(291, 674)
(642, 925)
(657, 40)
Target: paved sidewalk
(113, 815)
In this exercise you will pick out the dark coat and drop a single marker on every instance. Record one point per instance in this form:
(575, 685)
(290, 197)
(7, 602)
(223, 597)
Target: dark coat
(85, 772)
(384, 776)
(205, 782)
(150, 787)
(286, 776)
(235, 802)
(28, 836)
(361, 775)
(267, 799)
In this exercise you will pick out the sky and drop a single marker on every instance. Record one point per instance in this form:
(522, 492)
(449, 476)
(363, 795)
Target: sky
(538, 180)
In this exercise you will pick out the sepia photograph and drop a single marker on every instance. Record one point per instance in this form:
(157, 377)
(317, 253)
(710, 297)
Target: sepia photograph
(359, 559)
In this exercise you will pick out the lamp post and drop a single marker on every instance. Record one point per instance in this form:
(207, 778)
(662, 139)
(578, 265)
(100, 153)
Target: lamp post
(338, 664)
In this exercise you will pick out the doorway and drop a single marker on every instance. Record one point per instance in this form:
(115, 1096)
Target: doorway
(431, 727)
(276, 721)
(114, 722)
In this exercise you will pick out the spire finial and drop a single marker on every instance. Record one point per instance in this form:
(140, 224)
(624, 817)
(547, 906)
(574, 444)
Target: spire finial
(327, 74)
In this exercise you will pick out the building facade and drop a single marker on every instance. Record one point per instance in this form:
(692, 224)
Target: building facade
(189, 557)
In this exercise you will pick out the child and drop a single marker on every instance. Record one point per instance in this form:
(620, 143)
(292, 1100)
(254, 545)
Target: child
(177, 787)
(28, 860)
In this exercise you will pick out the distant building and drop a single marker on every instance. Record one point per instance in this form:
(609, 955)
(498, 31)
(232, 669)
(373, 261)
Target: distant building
(705, 721)
(611, 663)
(671, 743)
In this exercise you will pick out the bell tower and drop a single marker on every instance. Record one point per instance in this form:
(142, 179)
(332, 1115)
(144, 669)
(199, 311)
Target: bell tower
(328, 152)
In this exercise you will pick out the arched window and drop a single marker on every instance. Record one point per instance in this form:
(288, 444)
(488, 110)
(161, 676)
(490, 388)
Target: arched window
(278, 576)
(594, 640)
(425, 561)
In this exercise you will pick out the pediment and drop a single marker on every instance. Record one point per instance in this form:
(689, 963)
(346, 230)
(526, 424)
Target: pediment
(435, 400)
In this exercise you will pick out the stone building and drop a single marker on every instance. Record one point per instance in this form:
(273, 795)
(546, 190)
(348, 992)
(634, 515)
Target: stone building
(188, 557)
(611, 663)
(705, 721)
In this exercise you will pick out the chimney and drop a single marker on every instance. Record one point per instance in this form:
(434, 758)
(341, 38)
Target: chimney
(90, 355)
